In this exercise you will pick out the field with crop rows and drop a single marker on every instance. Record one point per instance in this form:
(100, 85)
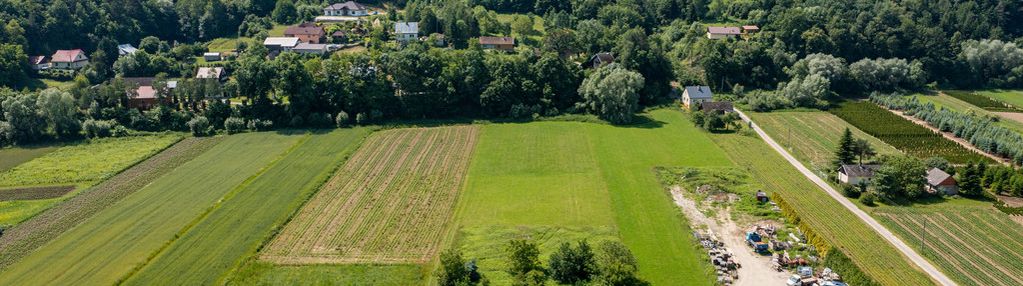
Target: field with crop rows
(390, 203)
(903, 134)
(36, 231)
(105, 248)
(94, 161)
(34, 193)
(813, 136)
(951, 103)
(982, 101)
(840, 227)
(245, 220)
(974, 246)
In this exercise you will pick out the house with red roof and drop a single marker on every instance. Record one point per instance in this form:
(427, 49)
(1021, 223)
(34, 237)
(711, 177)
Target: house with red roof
(69, 59)
(306, 33)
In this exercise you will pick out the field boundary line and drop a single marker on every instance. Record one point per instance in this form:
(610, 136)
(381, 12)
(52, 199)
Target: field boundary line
(908, 252)
(234, 191)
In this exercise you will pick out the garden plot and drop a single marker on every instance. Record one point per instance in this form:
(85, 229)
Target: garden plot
(390, 203)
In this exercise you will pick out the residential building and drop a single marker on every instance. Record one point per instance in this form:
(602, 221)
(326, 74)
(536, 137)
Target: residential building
(126, 49)
(212, 57)
(306, 33)
(723, 32)
(406, 31)
(854, 174)
(143, 93)
(210, 73)
(750, 29)
(599, 60)
(498, 43)
(940, 182)
(279, 44)
(696, 95)
(69, 59)
(307, 48)
(39, 62)
(350, 8)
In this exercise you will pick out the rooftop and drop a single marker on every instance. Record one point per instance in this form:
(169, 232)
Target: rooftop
(66, 56)
(350, 5)
(304, 29)
(406, 28)
(724, 30)
(859, 170)
(698, 92)
(497, 41)
(281, 41)
(210, 72)
(936, 176)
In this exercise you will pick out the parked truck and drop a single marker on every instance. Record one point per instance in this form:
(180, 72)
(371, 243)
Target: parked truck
(754, 240)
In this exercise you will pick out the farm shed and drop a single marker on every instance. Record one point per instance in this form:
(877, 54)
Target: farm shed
(723, 32)
(720, 107)
(854, 174)
(939, 181)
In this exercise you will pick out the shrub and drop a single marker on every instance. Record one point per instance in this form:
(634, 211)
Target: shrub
(850, 191)
(868, 198)
(260, 125)
(297, 121)
(200, 126)
(97, 128)
(341, 119)
(361, 119)
(120, 131)
(234, 125)
(319, 120)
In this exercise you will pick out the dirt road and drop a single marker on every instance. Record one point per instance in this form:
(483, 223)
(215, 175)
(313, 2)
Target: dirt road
(756, 269)
(932, 271)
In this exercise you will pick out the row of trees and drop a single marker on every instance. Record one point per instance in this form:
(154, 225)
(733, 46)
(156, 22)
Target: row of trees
(611, 264)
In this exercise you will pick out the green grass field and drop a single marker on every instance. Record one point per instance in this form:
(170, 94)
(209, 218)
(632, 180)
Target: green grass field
(265, 273)
(812, 136)
(827, 217)
(954, 104)
(250, 215)
(105, 248)
(968, 240)
(1012, 97)
(14, 156)
(556, 181)
(228, 44)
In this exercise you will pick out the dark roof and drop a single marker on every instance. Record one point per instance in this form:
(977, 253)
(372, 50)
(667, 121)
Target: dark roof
(702, 91)
(936, 176)
(724, 30)
(725, 106)
(497, 41)
(38, 60)
(605, 57)
(304, 30)
(859, 170)
(350, 5)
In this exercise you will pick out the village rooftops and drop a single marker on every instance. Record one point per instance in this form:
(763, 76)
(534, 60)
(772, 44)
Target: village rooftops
(406, 28)
(935, 177)
(724, 30)
(863, 171)
(497, 41)
(699, 92)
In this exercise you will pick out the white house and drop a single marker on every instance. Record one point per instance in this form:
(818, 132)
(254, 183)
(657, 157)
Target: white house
(69, 59)
(940, 182)
(406, 31)
(854, 174)
(723, 32)
(280, 43)
(695, 95)
(350, 8)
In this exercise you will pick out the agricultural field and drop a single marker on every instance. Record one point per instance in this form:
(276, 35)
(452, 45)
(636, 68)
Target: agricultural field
(79, 166)
(839, 227)
(244, 220)
(974, 244)
(954, 104)
(25, 237)
(1011, 97)
(903, 134)
(390, 204)
(812, 136)
(982, 101)
(14, 156)
(105, 248)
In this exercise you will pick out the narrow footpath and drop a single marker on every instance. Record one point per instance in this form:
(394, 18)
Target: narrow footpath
(925, 265)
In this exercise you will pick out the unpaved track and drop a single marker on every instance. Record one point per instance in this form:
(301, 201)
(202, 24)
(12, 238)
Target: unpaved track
(756, 269)
(908, 252)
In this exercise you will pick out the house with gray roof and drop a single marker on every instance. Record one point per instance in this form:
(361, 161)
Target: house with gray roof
(940, 182)
(406, 31)
(854, 174)
(696, 95)
(350, 8)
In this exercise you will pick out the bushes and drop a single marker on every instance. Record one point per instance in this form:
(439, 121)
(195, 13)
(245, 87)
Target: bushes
(200, 126)
(868, 198)
(341, 120)
(97, 128)
(234, 125)
(260, 125)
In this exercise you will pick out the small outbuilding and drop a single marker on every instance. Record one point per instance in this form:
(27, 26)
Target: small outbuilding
(498, 43)
(696, 95)
(723, 32)
(307, 48)
(600, 59)
(39, 62)
(719, 107)
(940, 182)
(750, 29)
(212, 57)
(854, 174)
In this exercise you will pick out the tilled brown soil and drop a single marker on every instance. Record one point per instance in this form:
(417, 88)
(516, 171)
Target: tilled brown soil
(22, 239)
(34, 193)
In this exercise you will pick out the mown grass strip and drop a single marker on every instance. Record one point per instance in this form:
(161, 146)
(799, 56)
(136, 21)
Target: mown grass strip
(23, 238)
(104, 248)
(247, 217)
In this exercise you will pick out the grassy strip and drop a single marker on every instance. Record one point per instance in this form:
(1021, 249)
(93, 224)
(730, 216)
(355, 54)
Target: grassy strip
(34, 193)
(114, 241)
(836, 225)
(244, 220)
(981, 101)
(903, 134)
(33, 233)
(14, 156)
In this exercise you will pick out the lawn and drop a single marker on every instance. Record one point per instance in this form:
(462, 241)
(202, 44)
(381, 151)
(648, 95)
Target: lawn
(971, 242)
(244, 221)
(838, 226)
(108, 246)
(14, 156)
(812, 136)
(979, 100)
(558, 181)
(220, 45)
(1012, 97)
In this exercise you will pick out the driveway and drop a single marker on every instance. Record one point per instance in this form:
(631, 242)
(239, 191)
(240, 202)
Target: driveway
(935, 274)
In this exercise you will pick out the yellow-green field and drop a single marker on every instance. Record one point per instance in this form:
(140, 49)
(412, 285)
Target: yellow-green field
(812, 136)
